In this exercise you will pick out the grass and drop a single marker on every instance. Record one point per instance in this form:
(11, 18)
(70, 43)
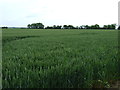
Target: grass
(59, 58)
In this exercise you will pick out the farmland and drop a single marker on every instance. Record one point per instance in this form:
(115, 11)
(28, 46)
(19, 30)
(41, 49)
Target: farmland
(59, 58)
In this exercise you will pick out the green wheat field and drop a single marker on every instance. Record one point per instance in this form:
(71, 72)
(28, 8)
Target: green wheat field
(33, 58)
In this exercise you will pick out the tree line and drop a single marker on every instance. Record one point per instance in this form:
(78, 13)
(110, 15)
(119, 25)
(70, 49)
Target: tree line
(96, 26)
(41, 26)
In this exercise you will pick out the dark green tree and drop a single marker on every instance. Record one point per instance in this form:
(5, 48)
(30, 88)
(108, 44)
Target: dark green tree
(112, 26)
(70, 27)
(65, 27)
(97, 26)
(59, 26)
(39, 25)
(29, 26)
(105, 27)
(36, 26)
(87, 27)
(49, 27)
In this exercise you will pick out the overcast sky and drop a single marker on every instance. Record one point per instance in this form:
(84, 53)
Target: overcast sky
(20, 13)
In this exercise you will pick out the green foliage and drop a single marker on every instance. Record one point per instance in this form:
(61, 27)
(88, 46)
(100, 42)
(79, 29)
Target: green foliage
(68, 27)
(36, 26)
(59, 58)
(54, 27)
(112, 26)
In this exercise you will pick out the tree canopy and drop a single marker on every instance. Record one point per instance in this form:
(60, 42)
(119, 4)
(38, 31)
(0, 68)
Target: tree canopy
(96, 26)
(36, 26)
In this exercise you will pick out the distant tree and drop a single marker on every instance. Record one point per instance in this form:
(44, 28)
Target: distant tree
(112, 26)
(68, 27)
(105, 27)
(54, 27)
(59, 27)
(109, 27)
(87, 27)
(71, 27)
(92, 27)
(4, 27)
(77, 27)
(40, 26)
(29, 26)
(65, 27)
(49, 27)
(97, 26)
(36, 26)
